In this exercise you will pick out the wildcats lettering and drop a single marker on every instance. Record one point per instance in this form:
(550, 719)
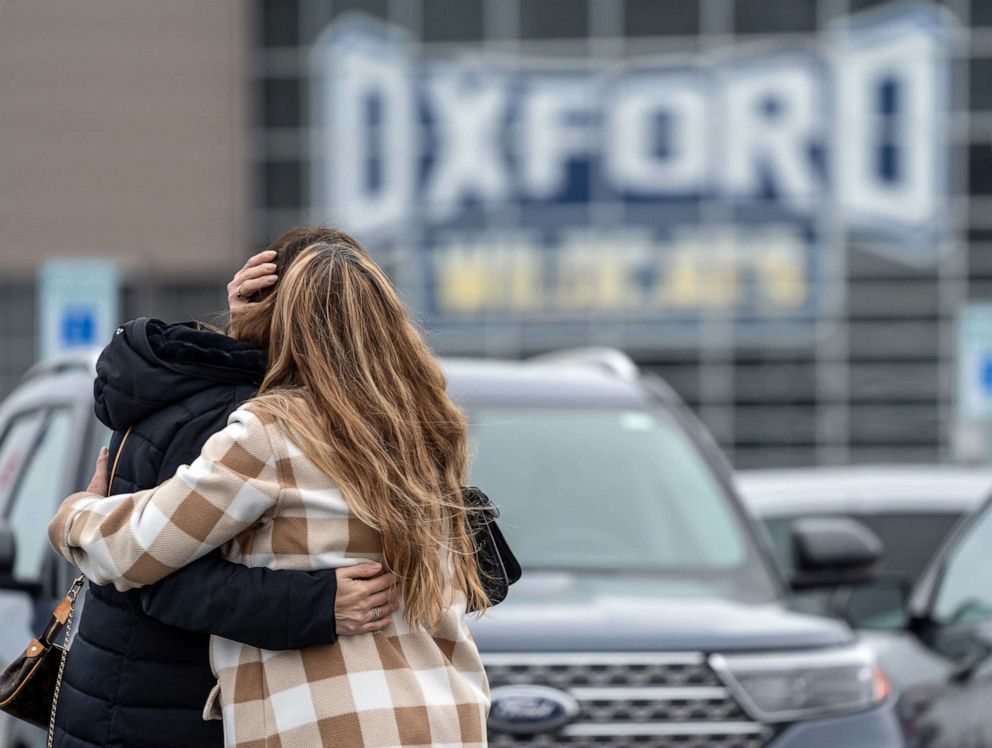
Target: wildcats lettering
(629, 274)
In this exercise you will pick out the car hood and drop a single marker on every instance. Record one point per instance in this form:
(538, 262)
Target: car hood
(570, 612)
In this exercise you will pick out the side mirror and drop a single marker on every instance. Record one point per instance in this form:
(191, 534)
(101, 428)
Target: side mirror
(8, 552)
(832, 551)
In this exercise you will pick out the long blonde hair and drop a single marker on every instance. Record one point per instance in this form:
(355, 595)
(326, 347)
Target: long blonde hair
(356, 388)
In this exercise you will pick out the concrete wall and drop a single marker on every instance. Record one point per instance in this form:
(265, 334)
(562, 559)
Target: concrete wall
(123, 133)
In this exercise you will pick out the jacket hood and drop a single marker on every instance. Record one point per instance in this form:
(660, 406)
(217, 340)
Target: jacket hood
(150, 364)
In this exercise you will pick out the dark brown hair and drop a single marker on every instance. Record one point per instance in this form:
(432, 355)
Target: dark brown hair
(252, 326)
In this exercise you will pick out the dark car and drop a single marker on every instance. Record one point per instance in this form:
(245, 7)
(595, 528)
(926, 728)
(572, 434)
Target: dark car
(942, 657)
(911, 509)
(650, 612)
(936, 552)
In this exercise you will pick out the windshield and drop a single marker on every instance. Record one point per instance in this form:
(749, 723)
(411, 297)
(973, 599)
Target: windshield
(613, 490)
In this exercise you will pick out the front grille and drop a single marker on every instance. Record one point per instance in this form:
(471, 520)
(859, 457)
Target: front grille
(650, 700)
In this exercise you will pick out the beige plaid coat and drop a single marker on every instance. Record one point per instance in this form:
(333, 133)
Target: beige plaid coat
(254, 493)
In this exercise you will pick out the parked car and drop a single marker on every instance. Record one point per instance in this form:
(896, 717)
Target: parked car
(929, 614)
(942, 656)
(49, 439)
(910, 508)
(650, 612)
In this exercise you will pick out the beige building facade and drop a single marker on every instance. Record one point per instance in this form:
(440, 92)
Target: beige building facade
(123, 134)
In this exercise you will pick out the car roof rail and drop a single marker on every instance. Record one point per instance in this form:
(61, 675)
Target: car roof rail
(611, 360)
(84, 362)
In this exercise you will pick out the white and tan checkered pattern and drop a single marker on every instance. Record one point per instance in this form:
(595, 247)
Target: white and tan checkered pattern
(254, 493)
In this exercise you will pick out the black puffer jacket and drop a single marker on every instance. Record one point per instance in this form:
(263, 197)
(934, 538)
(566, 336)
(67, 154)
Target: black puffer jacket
(138, 673)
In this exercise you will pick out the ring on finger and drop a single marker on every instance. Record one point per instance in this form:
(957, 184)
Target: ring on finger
(375, 614)
(239, 294)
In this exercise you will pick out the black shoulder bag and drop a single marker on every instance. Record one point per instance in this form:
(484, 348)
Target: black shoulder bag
(498, 567)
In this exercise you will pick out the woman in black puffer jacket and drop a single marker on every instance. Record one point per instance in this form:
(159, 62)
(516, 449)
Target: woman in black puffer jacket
(138, 674)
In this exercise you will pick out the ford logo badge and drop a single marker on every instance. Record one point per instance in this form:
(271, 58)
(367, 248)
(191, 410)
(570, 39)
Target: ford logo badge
(526, 710)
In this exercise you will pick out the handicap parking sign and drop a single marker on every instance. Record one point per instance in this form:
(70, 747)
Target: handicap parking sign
(974, 363)
(79, 305)
(985, 365)
(79, 327)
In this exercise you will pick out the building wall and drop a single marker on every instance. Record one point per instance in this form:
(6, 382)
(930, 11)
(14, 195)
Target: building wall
(872, 378)
(177, 136)
(124, 133)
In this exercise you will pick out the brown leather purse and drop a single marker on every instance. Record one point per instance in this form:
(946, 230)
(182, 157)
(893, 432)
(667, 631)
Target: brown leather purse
(29, 687)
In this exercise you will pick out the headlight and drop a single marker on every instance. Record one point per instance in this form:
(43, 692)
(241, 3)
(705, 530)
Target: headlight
(789, 686)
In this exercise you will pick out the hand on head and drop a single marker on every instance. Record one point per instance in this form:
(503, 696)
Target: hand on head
(257, 274)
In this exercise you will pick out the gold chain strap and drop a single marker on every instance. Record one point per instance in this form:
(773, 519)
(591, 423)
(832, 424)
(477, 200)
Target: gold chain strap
(77, 585)
(73, 591)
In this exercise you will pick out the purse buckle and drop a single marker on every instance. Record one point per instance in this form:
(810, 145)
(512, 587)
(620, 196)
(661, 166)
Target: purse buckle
(77, 585)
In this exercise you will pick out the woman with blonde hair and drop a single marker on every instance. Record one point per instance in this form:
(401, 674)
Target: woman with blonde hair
(352, 450)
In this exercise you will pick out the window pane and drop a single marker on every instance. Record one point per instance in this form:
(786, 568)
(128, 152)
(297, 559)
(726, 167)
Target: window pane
(980, 169)
(651, 18)
(14, 450)
(910, 540)
(965, 594)
(282, 102)
(553, 19)
(612, 490)
(284, 184)
(561, 473)
(779, 532)
(279, 23)
(981, 13)
(453, 20)
(978, 78)
(761, 17)
(38, 492)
